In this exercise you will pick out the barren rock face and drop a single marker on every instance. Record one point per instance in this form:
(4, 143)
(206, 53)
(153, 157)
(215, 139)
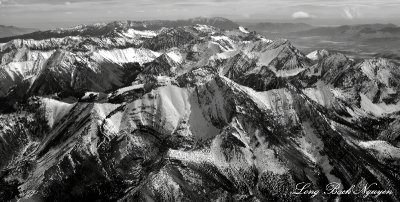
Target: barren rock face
(193, 114)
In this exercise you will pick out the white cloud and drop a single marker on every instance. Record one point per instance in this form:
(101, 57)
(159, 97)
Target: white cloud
(348, 14)
(302, 15)
(352, 12)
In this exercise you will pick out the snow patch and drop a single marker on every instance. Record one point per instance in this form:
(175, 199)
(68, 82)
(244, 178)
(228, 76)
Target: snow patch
(132, 33)
(321, 95)
(126, 89)
(224, 42)
(176, 56)
(266, 40)
(55, 110)
(89, 95)
(379, 109)
(318, 54)
(382, 148)
(204, 28)
(164, 108)
(266, 57)
(244, 30)
(288, 73)
(128, 55)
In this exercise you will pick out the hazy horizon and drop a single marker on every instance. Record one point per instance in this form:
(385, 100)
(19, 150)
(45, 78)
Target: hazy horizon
(48, 14)
(325, 22)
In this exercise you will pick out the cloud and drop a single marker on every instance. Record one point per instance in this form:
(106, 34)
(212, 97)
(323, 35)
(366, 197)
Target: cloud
(348, 13)
(351, 12)
(302, 15)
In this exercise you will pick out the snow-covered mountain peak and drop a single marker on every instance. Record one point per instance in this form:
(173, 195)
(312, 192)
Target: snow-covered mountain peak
(317, 54)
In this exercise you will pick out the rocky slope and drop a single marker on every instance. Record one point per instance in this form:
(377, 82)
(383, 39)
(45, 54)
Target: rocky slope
(193, 113)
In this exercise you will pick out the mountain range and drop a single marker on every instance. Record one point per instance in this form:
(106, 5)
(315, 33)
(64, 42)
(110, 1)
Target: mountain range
(201, 110)
(108, 29)
(344, 31)
(278, 28)
(353, 31)
(365, 40)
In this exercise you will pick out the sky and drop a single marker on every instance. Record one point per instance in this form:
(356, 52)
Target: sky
(46, 14)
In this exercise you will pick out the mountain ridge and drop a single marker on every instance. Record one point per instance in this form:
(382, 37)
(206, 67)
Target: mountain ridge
(102, 29)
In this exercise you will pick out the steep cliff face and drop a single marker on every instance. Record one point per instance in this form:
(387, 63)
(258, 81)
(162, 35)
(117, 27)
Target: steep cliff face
(195, 114)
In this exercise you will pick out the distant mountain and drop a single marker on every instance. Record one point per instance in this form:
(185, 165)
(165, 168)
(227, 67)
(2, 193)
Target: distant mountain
(384, 33)
(270, 27)
(352, 31)
(365, 40)
(109, 29)
(8, 31)
(218, 22)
